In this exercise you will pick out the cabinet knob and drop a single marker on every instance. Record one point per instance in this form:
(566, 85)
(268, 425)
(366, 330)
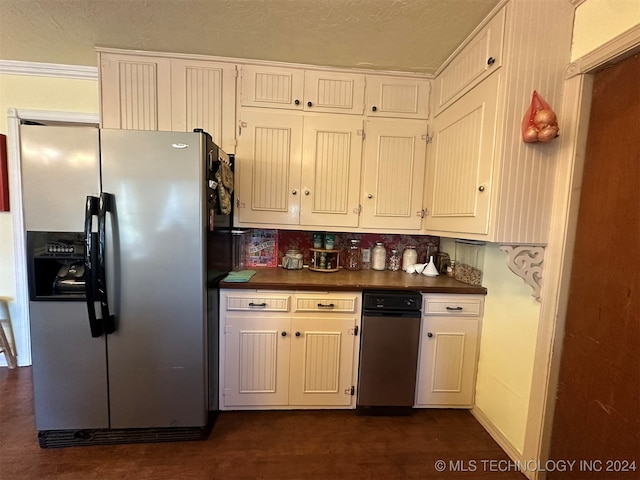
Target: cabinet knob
(374, 109)
(481, 188)
(491, 61)
(309, 104)
(297, 334)
(429, 334)
(306, 192)
(370, 195)
(296, 101)
(284, 334)
(294, 192)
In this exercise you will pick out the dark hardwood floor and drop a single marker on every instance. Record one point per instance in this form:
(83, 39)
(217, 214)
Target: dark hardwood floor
(308, 445)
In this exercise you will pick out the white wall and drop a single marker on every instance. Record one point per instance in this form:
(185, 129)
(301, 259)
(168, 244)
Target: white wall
(598, 21)
(34, 93)
(507, 347)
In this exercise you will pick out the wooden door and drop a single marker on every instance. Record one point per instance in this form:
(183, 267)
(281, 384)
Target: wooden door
(331, 170)
(321, 372)
(393, 178)
(597, 413)
(256, 360)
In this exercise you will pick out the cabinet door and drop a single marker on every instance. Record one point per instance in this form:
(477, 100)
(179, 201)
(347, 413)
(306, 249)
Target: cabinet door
(322, 360)
(447, 362)
(135, 92)
(256, 360)
(397, 97)
(268, 160)
(479, 59)
(460, 163)
(273, 87)
(203, 96)
(331, 170)
(333, 92)
(394, 162)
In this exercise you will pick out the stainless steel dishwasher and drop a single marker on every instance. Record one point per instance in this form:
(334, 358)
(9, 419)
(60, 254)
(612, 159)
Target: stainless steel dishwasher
(390, 335)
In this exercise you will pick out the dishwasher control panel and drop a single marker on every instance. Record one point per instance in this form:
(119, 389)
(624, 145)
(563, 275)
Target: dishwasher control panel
(391, 300)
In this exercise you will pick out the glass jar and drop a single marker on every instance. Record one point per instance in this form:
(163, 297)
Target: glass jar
(292, 259)
(353, 256)
(409, 256)
(378, 257)
(469, 261)
(394, 260)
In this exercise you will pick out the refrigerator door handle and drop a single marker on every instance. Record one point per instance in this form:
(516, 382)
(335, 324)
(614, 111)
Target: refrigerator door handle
(91, 210)
(108, 320)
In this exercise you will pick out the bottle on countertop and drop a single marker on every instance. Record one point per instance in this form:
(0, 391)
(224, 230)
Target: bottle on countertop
(378, 257)
(353, 256)
(409, 256)
(394, 260)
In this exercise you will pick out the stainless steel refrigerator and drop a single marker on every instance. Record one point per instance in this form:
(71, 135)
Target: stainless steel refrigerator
(116, 226)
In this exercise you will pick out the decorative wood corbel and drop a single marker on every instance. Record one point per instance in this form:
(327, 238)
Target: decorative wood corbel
(526, 262)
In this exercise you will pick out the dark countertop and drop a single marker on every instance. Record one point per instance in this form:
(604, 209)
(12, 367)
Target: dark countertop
(345, 280)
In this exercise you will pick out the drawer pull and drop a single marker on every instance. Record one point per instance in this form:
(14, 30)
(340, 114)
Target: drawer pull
(263, 304)
(326, 305)
(454, 309)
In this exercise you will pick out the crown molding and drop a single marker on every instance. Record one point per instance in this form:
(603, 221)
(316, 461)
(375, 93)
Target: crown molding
(78, 72)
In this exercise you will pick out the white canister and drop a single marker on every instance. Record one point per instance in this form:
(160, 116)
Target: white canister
(378, 257)
(409, 256)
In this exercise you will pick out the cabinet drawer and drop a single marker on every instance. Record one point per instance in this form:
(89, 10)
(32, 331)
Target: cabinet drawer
(326, 303)
(453, 305)
(262, 303)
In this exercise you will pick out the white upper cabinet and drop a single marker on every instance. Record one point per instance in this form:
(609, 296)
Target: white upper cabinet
(135, 92)
(461, 163)
(393, 173)
(296, 89)
(272, 87)
(479, 59)
(268, 162)
(144, 92)
(332, 153)
(203, 96)
(483, 182)
(333, 92)
(398, 97)
(275, 186)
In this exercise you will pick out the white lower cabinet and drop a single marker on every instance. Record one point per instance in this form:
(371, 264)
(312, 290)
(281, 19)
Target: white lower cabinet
(448, 358)
(288, 349)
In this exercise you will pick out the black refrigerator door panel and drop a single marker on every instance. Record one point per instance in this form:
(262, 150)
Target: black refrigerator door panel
(69, 368)
(155, 269)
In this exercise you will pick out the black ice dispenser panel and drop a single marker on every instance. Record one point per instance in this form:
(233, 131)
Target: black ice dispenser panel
(56, 265)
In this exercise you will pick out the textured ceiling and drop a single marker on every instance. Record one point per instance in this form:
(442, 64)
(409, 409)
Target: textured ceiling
(402, 35)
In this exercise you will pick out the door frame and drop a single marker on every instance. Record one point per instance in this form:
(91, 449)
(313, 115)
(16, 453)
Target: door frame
(20, 314)
(575, 111)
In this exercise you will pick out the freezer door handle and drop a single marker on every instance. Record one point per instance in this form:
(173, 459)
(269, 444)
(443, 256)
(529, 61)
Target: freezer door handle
(108, 320)
(91, 210)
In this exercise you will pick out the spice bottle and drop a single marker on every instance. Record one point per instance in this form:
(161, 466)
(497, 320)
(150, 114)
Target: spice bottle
(378, 257)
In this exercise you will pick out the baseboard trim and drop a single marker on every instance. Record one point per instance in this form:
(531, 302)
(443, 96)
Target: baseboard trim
(500, 439)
